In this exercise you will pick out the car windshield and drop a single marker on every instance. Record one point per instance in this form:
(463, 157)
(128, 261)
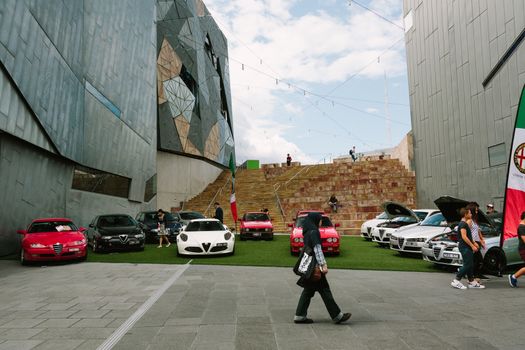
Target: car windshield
(205, 226)
(52, 226)
(115, 221)
(256, 217)
(191, 215)
(325, 221)
(383, 216)
(405, 219)
(152, 217)
(421, 214)
(435, 220)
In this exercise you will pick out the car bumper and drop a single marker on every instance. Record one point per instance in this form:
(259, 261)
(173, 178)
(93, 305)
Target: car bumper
(132, 243)
(442, 257)
(196, 249)
(256, 235)
(48, 254)
(366, 233)
(327, 248)
(406, 247)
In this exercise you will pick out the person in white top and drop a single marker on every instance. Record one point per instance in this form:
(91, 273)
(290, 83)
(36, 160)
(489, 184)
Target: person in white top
(477, 238)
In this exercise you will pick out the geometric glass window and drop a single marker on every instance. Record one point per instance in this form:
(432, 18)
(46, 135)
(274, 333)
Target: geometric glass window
(151, 188)
(91, 180)
(497, 155)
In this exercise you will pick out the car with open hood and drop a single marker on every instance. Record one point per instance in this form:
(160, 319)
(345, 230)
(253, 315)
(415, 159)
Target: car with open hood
(256, 225)
(330, 238)
(399, 216)
(205, 237)
(411, 239)
(366, 227)
(185, 216)
(149, 221)
(443, 248)
(52, 239)
(115, 232)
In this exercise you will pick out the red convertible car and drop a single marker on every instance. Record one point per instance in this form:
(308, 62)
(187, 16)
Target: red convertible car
(53, 239)
(330, 239)
(256, 225)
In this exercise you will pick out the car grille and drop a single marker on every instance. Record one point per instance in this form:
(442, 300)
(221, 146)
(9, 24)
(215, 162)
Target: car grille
(57, 247)
(401, 240)
(218, 249)
(193, 249)
(369, 229)
(436, 250)
(416, 249)
(381, 233)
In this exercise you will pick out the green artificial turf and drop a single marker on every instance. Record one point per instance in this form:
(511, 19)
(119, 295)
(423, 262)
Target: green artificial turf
(356, 253)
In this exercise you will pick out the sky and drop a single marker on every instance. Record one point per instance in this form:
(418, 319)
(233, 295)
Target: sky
(311, 77)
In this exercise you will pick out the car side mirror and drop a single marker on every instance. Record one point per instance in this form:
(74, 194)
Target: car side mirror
(21, 232)
(91, 225)
(290, 225)
(82, 229)
(337, 225)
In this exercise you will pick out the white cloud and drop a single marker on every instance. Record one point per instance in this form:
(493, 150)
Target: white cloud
(372, 110)
(315, 48)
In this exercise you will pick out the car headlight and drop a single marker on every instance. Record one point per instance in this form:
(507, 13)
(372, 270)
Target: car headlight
(421, 240)
(106, 237)
(81, 242)
(140, 235)
(37, 245)
(329, 239)
(183, 237)
(297, 239)
(393, 237)
(227, 235)
(267, 229)
(247, 229)
(334, 240)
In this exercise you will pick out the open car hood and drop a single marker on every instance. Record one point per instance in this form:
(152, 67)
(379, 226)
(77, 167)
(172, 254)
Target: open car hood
(394, 210)
(450, 207)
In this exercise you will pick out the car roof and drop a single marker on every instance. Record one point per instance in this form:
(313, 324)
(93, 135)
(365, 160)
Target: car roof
(205, 219)
(51, 219)
(117, 214)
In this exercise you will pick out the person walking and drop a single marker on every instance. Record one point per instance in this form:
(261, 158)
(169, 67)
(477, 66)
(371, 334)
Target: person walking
(161, 227)
(513, 278)
(477, 237)
(467, 248)
(219, 214)
(312, 239)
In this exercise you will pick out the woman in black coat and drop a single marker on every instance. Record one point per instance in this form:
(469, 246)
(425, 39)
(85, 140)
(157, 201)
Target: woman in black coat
(312, 239)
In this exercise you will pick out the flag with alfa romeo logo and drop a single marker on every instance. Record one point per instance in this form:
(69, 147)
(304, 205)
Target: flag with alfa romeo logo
(515, 193)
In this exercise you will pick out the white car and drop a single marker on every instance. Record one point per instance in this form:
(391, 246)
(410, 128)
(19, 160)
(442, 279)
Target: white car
(411, 239)
(399, 216)
(366, 227)
(443, 249)
(205, 237)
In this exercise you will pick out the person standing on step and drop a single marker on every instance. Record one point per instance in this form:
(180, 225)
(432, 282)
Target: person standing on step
(353, 154)
(312, 239)
(288, 159)
(467, 248)
(219, 214)
(161, 227)
(513, 278)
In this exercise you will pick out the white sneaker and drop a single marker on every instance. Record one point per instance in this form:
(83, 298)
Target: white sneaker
(457, 284)
(475, 285)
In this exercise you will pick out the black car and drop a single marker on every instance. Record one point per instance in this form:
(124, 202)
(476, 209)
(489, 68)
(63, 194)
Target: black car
(115, 232)
(149, 220)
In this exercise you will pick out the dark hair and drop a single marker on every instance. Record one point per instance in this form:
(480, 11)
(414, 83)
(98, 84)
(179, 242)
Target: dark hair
(472, 207)
(160, 211)
(216, 203)
(523, 215)
(463, 212)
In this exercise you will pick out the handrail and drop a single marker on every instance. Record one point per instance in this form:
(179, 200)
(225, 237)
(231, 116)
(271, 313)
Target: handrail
(293, 177)
(219, 191)
(278, 200)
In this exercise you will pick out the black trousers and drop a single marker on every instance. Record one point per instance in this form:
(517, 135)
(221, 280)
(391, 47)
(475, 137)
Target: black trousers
(326, 294)
(478, 262)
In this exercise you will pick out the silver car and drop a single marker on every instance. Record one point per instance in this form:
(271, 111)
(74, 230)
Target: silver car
(412, 239)
(366, 227)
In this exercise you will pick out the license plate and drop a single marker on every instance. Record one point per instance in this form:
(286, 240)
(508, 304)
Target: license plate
(329, 248)
(132, 242)
(257, 234)
(222, 244)
(74, 249)
(450, 256)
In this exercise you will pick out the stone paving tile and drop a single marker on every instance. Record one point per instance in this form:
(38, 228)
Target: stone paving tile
(60, 344)
(57, 314)
(58, 323)
(19, 344)
(95, 323)
(22, 323)
(19, 333)
(90, 313)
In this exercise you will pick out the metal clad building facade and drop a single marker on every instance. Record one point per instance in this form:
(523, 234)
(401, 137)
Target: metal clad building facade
(462, 129)
(79, 109)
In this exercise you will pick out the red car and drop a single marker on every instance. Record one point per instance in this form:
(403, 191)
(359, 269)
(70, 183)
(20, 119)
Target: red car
(330, 239)
(256, 225)
(52, 239)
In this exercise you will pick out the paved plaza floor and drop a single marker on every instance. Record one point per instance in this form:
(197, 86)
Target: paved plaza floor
(142, 306)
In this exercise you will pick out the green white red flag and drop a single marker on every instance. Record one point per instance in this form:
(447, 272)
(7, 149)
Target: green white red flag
(233, 201)
(514, 203)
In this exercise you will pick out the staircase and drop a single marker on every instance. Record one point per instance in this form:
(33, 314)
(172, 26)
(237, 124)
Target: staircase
(361, 187)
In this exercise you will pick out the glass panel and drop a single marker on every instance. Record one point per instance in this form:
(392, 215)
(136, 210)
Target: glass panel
(103, 99)
(151, 188)
(497, 155)
(97, 181)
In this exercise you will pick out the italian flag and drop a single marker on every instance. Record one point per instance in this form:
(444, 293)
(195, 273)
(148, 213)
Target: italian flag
(233, 202)
(515, 192)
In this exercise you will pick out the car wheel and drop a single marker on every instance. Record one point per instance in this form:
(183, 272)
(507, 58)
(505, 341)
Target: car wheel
(494, 262)
(22, 257)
